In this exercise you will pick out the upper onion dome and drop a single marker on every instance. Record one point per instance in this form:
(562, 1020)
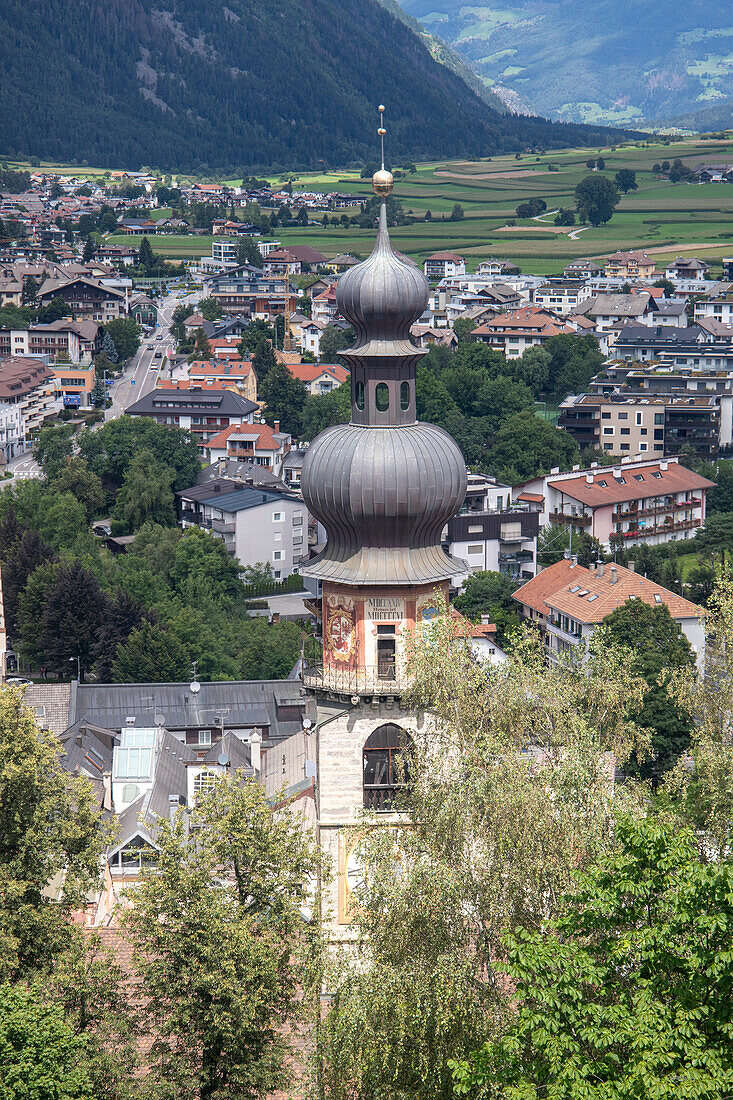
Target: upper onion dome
(382, 297)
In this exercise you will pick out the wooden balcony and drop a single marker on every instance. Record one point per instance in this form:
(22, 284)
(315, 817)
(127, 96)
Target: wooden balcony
(582, 520)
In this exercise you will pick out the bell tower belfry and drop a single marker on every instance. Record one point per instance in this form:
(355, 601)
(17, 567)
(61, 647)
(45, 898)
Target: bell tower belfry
(383, 486)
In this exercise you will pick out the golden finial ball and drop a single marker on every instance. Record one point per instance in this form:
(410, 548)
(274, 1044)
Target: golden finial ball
(382, 182)
(381, 108)
(381, 131)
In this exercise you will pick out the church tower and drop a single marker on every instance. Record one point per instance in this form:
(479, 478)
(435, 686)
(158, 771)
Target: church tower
(383, 486)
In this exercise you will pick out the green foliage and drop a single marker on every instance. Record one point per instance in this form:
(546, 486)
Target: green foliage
(50, 828)
(60, 610)
(531, 208)
(76, 478)
(284, 396)
(221, 949)
(332, 341)
(40, 1056)
(457, 213)
(125, 334)
(626, 994)
(657, 645)
(717, 535)
(720, 498)
(462, 329)
(325, 409)
(625, 180)
(263, 360)
(526, 446)
(53, 448)
(210, 309)
(110, 449)
(490, 593)
(150, 655)
(565, 217)
(596, 198)
(145, 496)
(268, 651)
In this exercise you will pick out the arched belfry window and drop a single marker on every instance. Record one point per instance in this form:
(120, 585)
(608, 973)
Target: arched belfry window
(387, 753)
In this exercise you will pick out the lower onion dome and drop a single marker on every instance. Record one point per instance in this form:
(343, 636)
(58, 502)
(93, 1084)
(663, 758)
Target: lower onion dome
(383, 496)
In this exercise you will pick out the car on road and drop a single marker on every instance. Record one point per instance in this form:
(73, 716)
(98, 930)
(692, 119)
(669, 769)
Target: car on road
(158, 355)
(159, 337)
(150, 347)
(18, 681)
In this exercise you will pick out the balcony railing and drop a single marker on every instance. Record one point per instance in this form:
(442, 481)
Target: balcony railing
(565, 517)
(382, 679)
(662, 529)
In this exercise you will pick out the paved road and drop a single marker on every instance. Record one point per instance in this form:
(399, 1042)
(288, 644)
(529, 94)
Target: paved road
(24, 466)
(141, 374)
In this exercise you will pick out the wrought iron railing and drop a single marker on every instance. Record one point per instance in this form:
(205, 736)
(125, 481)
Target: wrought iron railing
(383, 679)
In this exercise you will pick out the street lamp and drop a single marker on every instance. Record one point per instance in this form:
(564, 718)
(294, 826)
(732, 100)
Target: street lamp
(78, 667)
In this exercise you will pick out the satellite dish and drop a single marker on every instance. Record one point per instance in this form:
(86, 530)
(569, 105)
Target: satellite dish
(195, 687)
(159, 719)
(222, 759)
(307, 723)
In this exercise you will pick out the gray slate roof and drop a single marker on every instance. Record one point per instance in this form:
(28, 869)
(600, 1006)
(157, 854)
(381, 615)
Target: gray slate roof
(246, 704)
(192, 402)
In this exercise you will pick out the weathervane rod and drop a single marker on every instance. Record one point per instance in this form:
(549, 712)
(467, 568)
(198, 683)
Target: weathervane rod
(381, 131)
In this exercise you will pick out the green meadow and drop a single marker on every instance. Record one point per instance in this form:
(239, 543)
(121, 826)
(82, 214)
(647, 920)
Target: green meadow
(661, 217)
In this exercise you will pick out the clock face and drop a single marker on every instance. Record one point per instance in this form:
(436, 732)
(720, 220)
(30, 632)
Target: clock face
(341, 634)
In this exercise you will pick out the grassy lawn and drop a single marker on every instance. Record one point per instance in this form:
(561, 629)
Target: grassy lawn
(660, 217)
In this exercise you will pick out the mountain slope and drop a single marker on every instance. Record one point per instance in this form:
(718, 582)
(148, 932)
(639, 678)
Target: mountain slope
(217, 84)
(612, 61)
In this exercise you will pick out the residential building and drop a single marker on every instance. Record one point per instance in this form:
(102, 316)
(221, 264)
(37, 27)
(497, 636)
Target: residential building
(232, 374)
(583, 269)
(719, 306)
(524, 328)
(260, 444)
(12, 443)
(340, 263)
(309, 339)
(630, 265)
(253, 295)
(443, 264)
(714, 173)
(319, 378)
(494, 268)
(324, 308)
(503, 542)
(641, 502)
(255, 525)
(625, 423)
(86, 298)
(687, 267)
(569, 602)
(28, 385)
(203, 413)
(562, 297)
(607, 310)
(143, 311)
(282, 262)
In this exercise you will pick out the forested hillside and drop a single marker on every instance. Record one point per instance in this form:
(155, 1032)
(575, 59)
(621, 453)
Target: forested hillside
(217, 84)
(612, 61)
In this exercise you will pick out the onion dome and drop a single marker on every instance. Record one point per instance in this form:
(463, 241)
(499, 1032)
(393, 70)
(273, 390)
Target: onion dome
(382, 297)
(384, 485)
(384, 496)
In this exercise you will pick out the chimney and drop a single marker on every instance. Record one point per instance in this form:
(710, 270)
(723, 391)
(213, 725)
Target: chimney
(663, 465)
(255, 751)
(631, 566)
(485, 618)
(592, 567)
(600, 568)
(566, 555)
(589, 479)
(573, 560)
(614, 574)
(276, 425)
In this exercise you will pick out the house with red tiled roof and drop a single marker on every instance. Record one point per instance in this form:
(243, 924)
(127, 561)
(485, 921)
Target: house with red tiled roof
(481, 636)
(319, 377)
(512, 333)
(568, 602)
(231, 374)
(324, 308)
(259, 444)
(441, 265)
(636, 503)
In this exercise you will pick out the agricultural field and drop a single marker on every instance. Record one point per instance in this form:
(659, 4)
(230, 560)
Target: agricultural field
(663, 218)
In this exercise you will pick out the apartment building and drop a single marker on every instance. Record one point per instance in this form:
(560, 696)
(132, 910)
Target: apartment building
(718, 306)
(203, 413)
(28, 385)
(86, 298)
(628, 423)
(562, 297)
(74, 384)
(512, 333)
(444, 264)
(503, 542)
(569, 602)
(629, 265)
(234, 374)
(257, 526)
(640, 502)
(260, 444)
